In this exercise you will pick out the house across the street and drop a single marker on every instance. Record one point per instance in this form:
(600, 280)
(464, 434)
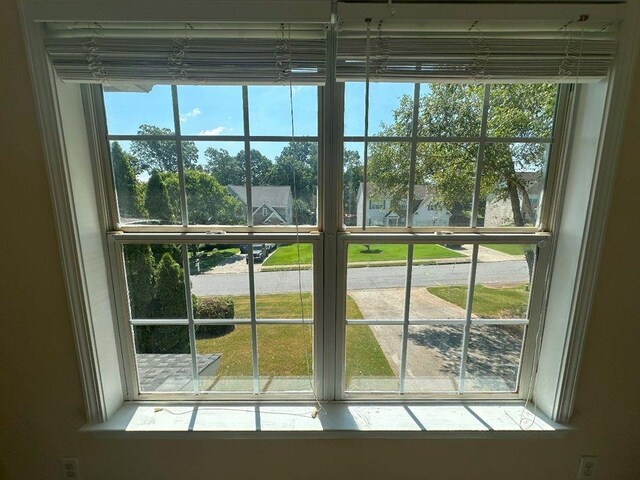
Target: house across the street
(271, 205)
(426, 211)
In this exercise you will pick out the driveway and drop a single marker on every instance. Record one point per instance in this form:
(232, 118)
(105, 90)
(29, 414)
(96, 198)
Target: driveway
(433, 352)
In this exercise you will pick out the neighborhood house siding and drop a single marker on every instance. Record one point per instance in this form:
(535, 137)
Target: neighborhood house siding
(271, 205)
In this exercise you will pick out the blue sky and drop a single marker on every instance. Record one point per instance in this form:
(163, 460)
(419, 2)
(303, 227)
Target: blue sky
(217, 110)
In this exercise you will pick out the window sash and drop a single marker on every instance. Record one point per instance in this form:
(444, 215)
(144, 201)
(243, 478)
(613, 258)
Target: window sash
(117, 241)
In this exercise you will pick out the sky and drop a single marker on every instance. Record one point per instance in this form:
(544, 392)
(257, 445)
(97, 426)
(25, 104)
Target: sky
(217, 110)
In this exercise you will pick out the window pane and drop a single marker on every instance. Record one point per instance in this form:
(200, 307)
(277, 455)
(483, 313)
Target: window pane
(220, 289)
(493, 359)
(163, 358)
(146, 180)
(215, 184)
(284, 184)
(502, 281)
(270, 110)
(375, 292)
(229, 349)
(284, 293)
(210, 110)
(390, 109)
(450, 110)
(387, 185)
(136, 113)
(155, 281)
(353, 157)
(444, 184)
(513, 178)
(372, 358)
(433, 358)
(285, 357)
(521, 110)
(434, 351)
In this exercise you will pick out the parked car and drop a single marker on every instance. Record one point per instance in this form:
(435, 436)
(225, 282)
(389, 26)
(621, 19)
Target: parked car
(244, 248)
(259, 253)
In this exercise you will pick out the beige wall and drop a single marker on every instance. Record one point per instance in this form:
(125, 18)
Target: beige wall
(41, 405)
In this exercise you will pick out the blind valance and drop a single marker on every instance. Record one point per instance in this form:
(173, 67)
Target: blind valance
(178, 54)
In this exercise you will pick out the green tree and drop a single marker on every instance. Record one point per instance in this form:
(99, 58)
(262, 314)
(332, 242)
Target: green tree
(128, 189)
(230, 170)
(297, 167)
(209, 202)
(160, 154)
(168, 302)
(162, 199)
(141, 279)
(517, 110)
(353, 169)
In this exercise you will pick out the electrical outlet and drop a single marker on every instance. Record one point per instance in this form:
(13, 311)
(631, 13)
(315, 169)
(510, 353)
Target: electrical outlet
(588, 464)
(70, 469)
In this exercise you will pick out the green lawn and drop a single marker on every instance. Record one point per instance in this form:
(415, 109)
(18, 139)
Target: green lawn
(208, 260)
(288, 254)
(283, 349)
(509, 249)
(489, 301)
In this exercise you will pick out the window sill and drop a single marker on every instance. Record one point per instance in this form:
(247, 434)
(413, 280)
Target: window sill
(251, 420)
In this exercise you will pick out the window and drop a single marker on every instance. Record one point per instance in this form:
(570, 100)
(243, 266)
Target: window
(232, 318)
(217, 200)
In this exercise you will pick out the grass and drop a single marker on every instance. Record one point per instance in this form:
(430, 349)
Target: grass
(211, 259)
(285, 350)
(489, 301)
(509, 249)
(288, 254)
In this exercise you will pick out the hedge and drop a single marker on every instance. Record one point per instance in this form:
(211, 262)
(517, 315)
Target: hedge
(213, 307)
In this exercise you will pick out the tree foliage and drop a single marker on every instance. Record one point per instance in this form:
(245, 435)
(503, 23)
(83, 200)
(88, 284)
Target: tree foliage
(161, 155)
(516, 110)
(129, 190)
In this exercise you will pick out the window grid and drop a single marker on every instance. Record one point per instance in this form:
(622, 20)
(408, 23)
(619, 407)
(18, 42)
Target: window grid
(370, 234)
(149, 232)
(415, 139)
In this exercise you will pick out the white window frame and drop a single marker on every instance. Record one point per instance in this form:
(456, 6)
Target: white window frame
(597, 112)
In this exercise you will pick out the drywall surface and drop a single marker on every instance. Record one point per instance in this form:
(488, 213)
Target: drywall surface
(41, 405)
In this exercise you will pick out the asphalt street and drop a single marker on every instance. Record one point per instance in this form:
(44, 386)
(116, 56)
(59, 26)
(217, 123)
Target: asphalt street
(364, 278)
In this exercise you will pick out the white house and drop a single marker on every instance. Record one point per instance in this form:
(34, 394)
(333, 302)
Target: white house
(426, 211)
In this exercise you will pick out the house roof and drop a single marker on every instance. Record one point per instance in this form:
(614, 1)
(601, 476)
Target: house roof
(271, 196)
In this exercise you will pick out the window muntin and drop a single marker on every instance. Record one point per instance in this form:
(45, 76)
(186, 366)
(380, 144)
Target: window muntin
(259, 369)
(440, 318)
(499, 132)
(239, 326)
(198, 176)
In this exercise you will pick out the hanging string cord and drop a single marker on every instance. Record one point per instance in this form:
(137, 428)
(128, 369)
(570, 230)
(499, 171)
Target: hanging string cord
(284, 55)
(94, 60)
(366, 125)
(176, 61)
(482, 54)
(382, 47)
(572, 59)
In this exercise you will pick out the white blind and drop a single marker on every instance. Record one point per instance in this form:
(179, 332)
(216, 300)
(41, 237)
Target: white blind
(256, 53)
(560, 56)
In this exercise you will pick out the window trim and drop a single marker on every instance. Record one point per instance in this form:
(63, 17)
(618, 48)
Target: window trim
(101, 402)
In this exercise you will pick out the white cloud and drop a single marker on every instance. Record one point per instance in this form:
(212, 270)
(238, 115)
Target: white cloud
(214, 131)
(193, 113)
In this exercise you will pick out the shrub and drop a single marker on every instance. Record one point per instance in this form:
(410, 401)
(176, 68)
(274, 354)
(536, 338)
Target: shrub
(213, 307)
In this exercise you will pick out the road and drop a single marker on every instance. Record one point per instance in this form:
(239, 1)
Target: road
(362, 278)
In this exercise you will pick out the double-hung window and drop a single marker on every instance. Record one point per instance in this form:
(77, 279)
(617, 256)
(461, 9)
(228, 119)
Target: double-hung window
(353, 208)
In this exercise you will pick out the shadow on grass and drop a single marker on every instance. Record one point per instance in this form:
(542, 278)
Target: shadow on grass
(494, 350)
(374, 251)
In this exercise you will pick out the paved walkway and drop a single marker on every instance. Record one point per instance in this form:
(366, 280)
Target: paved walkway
(422, 361)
